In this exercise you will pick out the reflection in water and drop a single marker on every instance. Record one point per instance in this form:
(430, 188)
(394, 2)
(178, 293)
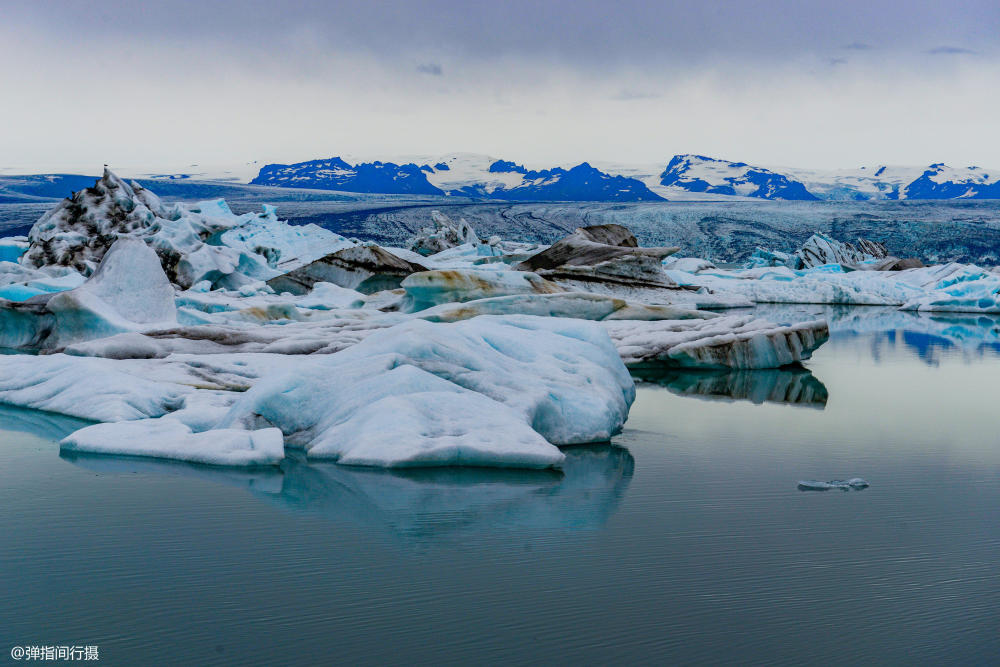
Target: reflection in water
(793, 385)
(47, 425)
(425, 503)
(927, 335)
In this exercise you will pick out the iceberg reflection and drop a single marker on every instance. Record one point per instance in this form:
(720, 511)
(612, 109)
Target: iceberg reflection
(46, 425)
(792, 385)
(428, 503)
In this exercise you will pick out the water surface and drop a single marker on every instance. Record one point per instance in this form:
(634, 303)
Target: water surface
(683, 541)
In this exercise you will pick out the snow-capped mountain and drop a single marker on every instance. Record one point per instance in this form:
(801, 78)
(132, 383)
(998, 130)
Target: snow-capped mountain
(465, 175)
(336, 174)
(863, 183)
(697, 173)
(940, 181)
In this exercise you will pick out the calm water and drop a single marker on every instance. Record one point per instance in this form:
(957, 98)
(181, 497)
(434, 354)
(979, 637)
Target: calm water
(686, 541)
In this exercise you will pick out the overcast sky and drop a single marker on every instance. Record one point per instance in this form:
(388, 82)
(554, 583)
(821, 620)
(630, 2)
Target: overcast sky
(803, 83)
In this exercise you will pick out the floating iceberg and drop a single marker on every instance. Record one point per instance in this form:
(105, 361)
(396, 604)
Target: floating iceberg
(853, 484)
(168, 438)
(821, 249)
(365, 268)
(442, 235)
(579, 305)
(603, 254)
(92, 389)
(487, 392)
(736, 342)
(562, 379)
(432, 288)
(127, 292)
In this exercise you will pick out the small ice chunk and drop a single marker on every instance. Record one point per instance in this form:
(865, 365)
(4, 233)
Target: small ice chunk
(855, 483)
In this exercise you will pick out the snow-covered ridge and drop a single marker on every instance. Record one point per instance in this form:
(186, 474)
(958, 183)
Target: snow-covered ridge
(697, 173)
(683, 177)
(476, 176)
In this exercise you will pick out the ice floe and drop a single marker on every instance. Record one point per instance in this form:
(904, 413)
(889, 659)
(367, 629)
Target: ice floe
(170, 439)
(853, 484)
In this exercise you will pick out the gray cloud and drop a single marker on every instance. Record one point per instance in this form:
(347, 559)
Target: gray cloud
(630, 94)
(950, 50)
(577, 33)
(199, 80)
(434, 69)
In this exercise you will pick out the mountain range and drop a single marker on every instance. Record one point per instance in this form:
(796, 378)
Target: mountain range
(683, 177)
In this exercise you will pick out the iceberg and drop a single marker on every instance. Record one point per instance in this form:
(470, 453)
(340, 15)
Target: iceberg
(491, 391)
(190, 240)
(853, 484)
(580, 305)
(820, 249)
(91, 389)
(442, 235)
(562, 378)
(432, 288)
(736, 342)
(366, 268)
(603, 254)
(170, 439)
(283, 246)
(128, 292)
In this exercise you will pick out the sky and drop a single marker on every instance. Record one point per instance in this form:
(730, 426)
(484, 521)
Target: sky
(165, 84)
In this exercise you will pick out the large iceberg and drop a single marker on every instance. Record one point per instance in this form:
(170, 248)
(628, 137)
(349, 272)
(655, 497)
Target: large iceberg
(561, 378)
(190, 240)
(489, 391)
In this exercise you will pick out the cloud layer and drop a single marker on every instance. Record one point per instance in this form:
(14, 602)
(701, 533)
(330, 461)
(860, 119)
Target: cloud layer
(775, 82)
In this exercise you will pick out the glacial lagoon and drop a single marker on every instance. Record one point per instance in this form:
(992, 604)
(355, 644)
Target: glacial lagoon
(685, 539)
